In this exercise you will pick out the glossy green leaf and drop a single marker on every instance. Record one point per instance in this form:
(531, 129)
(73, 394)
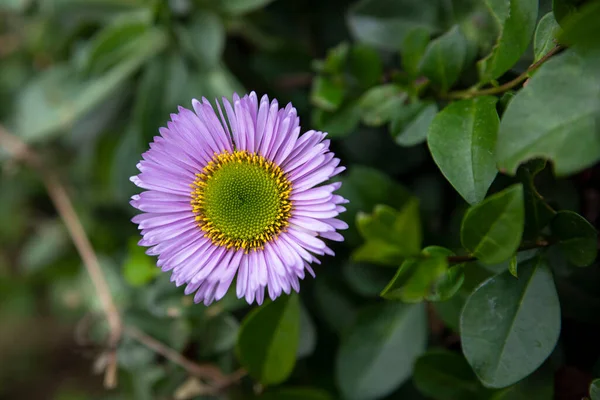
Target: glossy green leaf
(545, 34)
(416, 278)
(327, 93)
(577, 238)
(413, 48)
(385, 23)
(510, 326)
(446, 375)
(139, 268)
(517, 19)
(537, 212)
(492, 230)
(379, 104)
(410, 124)
(462, 138)
(56, 98)
(444, 58)
(537, 123)
(242, 6)
(449, 310)
(268, 340)
(595, 389)
(389, 235)
(377, 354)
(203, 39)
(296, 393)
(448, 285)
(367, 187)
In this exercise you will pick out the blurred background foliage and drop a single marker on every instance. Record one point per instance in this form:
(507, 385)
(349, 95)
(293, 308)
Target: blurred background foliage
(87, 84)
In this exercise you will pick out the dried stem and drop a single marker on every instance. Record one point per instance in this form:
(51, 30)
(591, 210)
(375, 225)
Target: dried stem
(467, 94)
(20, 151)
(204, 371)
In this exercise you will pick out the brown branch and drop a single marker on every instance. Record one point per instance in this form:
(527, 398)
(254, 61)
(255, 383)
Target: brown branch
(57, 193)
(469, 258)
(204, 371)
(467, 94)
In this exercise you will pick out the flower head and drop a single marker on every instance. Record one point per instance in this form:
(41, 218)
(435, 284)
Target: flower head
(240, 194)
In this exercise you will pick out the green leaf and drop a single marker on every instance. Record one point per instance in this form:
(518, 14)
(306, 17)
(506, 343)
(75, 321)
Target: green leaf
(113, 44)
(516, 19)
(367, 187)
(138, 268)
(339, 123)
(537, 123)
(577, 238)
(492, 230)
(364, 65)
(581, 26)
(203, 39)
(595, 389)
(57, 98)
(539, 385)
(413, 48)
(390, 235)
(512, 266)
(510, 326)
(379, 104)
(241, 6)
(448, 285)
(296, 393)
(545, 34)
(374, 357)
(462, 138)
(268, 340)
(327, 93)
(411, 123)
(416, 278)
(446, 375)
(564, 8)
(385, 23)
(537, 212)
(444, 58)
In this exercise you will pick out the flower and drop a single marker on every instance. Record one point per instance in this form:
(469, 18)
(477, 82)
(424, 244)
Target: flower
(238, 196)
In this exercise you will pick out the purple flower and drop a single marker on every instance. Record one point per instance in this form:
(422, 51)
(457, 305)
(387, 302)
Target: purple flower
(238, 196)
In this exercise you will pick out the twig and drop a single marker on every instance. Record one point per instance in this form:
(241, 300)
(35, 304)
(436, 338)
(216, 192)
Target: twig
(536, 245)
(467, 94)
(20, 151)
(204, 371)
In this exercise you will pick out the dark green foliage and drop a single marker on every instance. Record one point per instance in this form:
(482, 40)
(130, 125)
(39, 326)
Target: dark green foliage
(471, 134)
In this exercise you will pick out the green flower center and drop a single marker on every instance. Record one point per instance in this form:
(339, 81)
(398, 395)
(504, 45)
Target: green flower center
(241, 200)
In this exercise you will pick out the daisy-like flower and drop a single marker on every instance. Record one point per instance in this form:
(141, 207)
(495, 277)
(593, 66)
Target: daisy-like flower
(240, 194)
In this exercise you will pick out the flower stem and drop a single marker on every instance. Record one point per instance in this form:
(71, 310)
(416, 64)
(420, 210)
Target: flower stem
(469, 93)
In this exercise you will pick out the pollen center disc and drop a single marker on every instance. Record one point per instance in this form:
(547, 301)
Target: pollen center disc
(241, 200)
